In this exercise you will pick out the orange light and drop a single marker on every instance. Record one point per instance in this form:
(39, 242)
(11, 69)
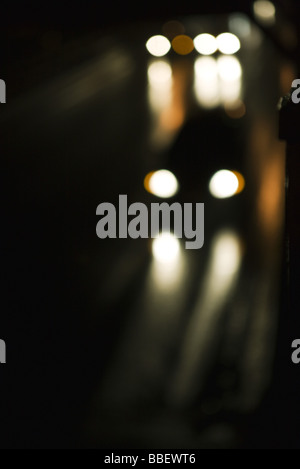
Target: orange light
(147, 181)
(241, 181)
(235, 110)
(183, 45)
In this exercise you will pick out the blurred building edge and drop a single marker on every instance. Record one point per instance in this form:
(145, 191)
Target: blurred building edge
(289, 124)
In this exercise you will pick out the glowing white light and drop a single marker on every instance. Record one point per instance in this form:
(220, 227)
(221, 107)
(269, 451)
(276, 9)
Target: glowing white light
(230, 91)
(168, 272)
(166, 248)
(158, 46)
(229, 68)
(217, 81)
(206, 84)
(159, 73)
(265, 11)
(228, 43)
(226, 256)
(224, 184)
(159, 98)
(206, 68)
(206, 44)
(160, 80)
(163, 184)
(207, 94)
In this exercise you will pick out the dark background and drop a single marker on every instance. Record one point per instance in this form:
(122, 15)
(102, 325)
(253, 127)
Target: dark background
(49, 380)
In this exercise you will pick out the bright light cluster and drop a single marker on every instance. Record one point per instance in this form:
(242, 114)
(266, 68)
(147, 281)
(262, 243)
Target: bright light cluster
(205, 44)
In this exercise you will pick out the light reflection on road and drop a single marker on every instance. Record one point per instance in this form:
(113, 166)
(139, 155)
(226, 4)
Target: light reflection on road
(218, 285)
